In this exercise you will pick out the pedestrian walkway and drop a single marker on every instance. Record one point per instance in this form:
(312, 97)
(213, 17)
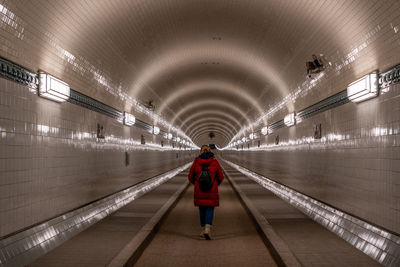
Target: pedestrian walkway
(102, 242)
(311, 243)
(236, 241)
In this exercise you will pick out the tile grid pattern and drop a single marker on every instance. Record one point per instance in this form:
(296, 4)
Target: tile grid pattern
(382, 246)
(51, 160)
(22, 248)
(356, 38)
(354, 166)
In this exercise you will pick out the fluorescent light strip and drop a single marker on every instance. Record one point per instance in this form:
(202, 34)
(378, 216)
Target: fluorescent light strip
(377, 243)
(129, 119)
(22, 248)
(264, 131)
(53, 88)
(290, 120)
(364, 88)
(156, 130)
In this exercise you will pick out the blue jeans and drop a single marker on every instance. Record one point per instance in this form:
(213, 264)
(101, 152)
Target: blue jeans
(206, 215)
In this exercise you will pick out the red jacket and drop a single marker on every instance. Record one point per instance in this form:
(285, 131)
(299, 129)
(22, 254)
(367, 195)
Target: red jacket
(210, 198)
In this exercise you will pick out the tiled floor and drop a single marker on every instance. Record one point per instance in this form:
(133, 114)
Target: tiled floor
(311, 243)
(99, 244)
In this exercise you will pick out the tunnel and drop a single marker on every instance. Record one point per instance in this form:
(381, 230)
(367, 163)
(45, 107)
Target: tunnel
(115, 115)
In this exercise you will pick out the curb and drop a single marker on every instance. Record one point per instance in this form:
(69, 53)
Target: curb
(133, 250)
(277, 247)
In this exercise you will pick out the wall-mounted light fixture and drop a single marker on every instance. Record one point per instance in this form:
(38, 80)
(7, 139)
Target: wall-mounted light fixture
(169, 136)
(53, 88)
(290, 119)
(156, 130)
(129, 119)
(264, 130)
(364, 88)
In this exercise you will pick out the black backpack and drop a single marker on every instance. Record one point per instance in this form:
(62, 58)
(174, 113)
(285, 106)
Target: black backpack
(205, 180)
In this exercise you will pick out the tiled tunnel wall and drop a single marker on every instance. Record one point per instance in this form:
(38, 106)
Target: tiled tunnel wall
(52, 162)
(354, 167)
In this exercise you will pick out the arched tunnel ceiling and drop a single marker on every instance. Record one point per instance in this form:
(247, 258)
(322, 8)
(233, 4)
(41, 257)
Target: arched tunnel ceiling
(216, 64)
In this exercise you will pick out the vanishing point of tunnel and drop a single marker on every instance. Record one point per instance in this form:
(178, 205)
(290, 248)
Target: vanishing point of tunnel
(114, 113)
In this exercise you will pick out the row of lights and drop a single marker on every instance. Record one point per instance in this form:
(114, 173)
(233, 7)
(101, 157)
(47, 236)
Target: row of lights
(289, 120)
(363, 89)
(59, 91)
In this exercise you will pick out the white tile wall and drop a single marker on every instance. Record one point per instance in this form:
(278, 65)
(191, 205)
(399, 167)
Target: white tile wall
(358, 174)
(46, 169)
(354, 167)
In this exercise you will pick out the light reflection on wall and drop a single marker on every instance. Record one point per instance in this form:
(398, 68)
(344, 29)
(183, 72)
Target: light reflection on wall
(300, 91)
(85, 138)
(82, 66)
(109, 86)
(9, 18)
(25, 246)
(328, 138)
(355, 52)
(308, 85)
(373, 241)
(44, 129)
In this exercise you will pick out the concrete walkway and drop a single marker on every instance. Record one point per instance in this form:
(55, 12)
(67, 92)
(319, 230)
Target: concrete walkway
(236, 241)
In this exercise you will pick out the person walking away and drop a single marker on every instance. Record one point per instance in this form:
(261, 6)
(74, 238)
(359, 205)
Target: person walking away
(206, 175)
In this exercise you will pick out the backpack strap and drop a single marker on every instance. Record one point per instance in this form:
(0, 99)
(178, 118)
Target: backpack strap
(216, 177)
(194, 171)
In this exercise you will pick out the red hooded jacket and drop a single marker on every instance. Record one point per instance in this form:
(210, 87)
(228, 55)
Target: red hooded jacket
(210, 198)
